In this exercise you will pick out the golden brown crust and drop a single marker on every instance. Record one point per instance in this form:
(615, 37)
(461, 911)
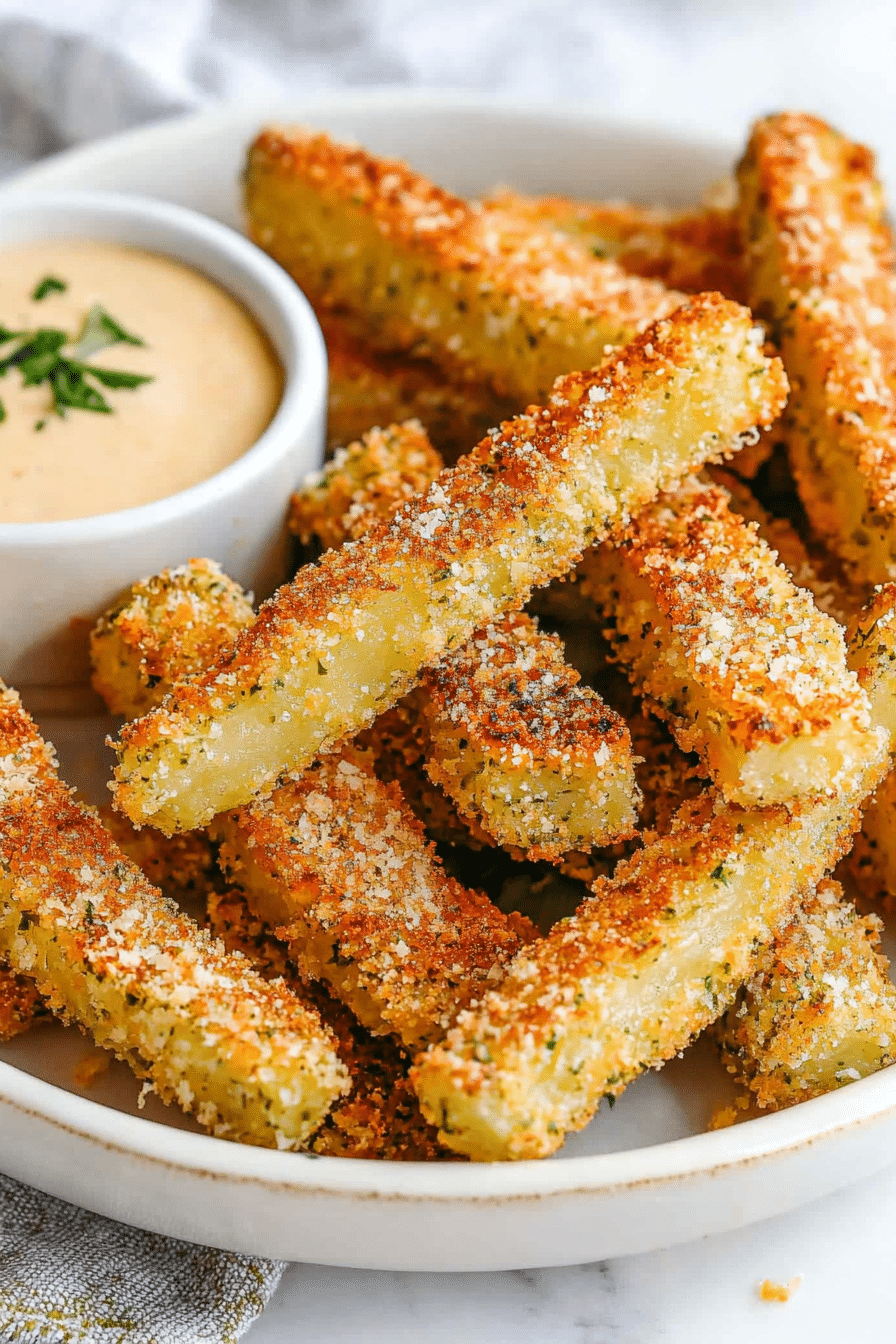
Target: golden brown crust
(651, 959)
(820, 261)
(418, 269)
(21, 1004)
(521, 746)
(729, 651)
(165, 628)
(364, 483)
(819, 1012)
(380, 1117)
(368, 387)
(109, 952)
(694, 251)
(339, 863)
(349, 636)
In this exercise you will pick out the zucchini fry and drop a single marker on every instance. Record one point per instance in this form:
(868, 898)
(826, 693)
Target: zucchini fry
(363, 483)
(654, 957)
(380, 1117)
(694, 250)
(368, 387)
(658, 954)
(538, 759)
(110, 953)
(819, 1012)
(337, 864)
(351, 635)
(164, 629)
(741, 663)
(491, 298)
(523, 750)
(337, 857)
(820, 262)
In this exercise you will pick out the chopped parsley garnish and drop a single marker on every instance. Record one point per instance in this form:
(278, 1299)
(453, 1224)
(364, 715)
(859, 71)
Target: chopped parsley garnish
(49, 285)
(75, 385)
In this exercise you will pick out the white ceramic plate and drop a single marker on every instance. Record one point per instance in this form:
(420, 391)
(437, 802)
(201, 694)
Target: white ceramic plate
(641, 1176)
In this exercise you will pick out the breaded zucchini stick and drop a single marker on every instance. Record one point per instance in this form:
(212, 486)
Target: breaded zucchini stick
(820, 262)
(492, 298)
(741, 663)
(363, 483)
(694, 250)
(367, 387)
(654, 957)
(820, 1011)
(337, 857)
(338, 865)
(622, 986)
(177, 622)
(109, 952)
(522, 747)
(351, 635)
(380, 1117)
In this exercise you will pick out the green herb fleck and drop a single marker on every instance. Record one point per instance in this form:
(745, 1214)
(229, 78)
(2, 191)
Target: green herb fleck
(75, 385)
(718, 874)
(49, 285)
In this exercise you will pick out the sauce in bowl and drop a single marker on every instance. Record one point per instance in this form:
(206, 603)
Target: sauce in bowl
(215, 383)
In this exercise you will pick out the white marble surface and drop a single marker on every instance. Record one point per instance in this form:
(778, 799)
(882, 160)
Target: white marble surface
(842, 1249)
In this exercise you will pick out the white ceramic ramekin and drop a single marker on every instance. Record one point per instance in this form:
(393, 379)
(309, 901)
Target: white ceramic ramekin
(57, 576)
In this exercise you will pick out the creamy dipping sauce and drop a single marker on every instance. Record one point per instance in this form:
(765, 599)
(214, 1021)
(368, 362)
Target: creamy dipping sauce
(216, 383)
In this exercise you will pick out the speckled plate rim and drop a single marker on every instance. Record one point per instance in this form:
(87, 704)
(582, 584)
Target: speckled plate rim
(856, 1106)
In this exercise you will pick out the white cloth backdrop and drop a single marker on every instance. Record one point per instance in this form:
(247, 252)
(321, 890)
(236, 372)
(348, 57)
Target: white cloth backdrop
(71, 70)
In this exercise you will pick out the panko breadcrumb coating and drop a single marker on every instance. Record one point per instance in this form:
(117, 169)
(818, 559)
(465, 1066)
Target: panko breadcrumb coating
(161, 632)
(339, 866)
(352, 634)
(363, 483)
(741, 663)
(522, 747)
(819, 1012)
(110, 953)
(380, 1117)
(494, 299)
(820, 263)
(368, 387)
(643, 966)
(872, 862)
(694, 250)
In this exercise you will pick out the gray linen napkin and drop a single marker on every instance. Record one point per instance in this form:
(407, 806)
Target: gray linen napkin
(67, 1275)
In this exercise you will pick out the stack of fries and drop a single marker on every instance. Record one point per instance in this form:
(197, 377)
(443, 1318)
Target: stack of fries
(336, 775)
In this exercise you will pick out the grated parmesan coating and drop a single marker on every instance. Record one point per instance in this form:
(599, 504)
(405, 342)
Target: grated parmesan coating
(492, 299)
(820, 1010)
(339, 866)
(643, 966)
(380, 1116)
(817, 570)
(367, 387)
(741, 663)
(109, 952)
(692, 250)
(522, 747)
(363, 483)
(163, 629)
(351, 635)
(657, 955)
(820, 262)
